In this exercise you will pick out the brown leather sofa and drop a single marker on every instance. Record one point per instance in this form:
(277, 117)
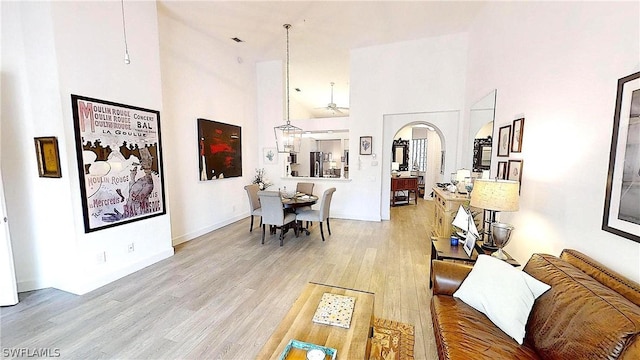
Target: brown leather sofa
(590, 312)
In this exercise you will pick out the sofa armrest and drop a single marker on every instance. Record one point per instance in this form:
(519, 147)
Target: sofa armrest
(447, 276)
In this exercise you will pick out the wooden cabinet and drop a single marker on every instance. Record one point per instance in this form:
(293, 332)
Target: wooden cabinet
(445, 209)
(402, 188)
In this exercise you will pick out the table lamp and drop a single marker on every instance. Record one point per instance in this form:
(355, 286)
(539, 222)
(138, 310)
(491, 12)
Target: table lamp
(493, 196)
(395, 166)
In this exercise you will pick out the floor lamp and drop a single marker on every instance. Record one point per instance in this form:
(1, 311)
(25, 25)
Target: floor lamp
(493, 196)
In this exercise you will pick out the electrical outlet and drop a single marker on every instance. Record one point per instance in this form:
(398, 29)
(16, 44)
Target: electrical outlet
(131, 248)
(101, 257)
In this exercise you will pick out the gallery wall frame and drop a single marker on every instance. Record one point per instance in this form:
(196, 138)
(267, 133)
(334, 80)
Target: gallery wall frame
(220, 150)
(516, 135)
(621, 215)
(514, 170)
(119, 156)
(366, 145)
(270, 155)
(48, 156)
(504, 138)
(502, 170)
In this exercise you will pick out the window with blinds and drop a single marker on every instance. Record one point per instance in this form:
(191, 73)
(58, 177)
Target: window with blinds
(418, 151)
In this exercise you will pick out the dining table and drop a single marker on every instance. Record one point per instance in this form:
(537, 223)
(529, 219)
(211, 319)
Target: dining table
(297, 201)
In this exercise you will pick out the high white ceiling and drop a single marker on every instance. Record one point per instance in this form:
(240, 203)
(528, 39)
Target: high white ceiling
(321, 35)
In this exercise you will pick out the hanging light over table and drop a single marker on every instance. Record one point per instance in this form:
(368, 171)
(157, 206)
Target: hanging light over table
(288, 137)
(127, 59)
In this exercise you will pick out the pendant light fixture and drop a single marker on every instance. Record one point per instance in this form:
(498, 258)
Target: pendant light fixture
(127, 59)
(288, 137)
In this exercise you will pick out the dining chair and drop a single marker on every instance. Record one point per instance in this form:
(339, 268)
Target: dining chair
(273, 214)
(320, 215)
(254, 203)
(305, 188)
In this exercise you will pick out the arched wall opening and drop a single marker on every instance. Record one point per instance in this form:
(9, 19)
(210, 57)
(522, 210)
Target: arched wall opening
(444, 124)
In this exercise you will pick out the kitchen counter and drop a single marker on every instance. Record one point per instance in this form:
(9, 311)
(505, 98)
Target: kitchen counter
(314, 178)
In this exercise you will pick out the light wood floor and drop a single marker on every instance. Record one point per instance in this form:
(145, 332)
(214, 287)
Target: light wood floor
(221, 295)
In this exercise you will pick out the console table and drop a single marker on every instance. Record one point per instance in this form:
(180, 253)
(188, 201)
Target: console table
(402, 184)
(351, 343)
(445, 209)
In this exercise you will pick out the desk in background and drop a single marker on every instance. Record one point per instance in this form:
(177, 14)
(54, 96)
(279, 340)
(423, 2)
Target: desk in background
(403, 185)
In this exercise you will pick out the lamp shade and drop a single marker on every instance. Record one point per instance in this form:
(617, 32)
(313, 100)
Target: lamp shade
(288, 138)
(496, 195)
(395, 166)
(462, 174)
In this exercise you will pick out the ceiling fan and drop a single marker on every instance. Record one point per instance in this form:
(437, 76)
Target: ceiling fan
(332, 106)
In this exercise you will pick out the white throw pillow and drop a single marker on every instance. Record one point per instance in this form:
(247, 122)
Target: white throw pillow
(501, 292)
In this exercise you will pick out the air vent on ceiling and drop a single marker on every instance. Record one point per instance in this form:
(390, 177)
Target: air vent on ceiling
(237, 39)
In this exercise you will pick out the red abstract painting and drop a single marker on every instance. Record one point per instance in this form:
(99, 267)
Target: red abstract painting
(220, 150)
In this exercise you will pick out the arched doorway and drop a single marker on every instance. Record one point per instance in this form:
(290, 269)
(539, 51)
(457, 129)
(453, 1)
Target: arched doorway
(445, 129)
(420, 146)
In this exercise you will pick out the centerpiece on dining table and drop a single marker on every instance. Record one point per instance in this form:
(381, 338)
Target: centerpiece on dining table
(285, 194)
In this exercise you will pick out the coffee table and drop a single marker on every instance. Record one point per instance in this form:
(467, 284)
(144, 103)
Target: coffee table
(441, 249)
(351, 343)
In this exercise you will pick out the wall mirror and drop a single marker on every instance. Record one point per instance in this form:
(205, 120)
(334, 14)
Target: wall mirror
(482, 154)
(400, 154)
(481, 131)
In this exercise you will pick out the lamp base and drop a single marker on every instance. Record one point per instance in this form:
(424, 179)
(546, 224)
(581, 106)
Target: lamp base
(489, 247)
(499, 254)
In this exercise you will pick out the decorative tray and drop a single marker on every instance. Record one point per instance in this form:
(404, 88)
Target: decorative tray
(335, 310)
(297, 349)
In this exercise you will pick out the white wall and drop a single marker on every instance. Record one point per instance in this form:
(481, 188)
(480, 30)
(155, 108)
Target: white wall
(60, 48)
(423, 77)
(32, 260)
(561, 75)
(204, 78)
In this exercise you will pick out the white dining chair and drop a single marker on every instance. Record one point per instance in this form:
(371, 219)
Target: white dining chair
(305, 188)
(273, 214)
(320, 215)
(254, 203)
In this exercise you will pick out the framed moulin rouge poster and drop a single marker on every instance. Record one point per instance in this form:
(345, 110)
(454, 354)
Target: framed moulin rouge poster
(119, 162)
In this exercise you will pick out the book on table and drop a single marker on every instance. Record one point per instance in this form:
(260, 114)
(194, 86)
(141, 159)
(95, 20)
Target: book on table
(335, 310)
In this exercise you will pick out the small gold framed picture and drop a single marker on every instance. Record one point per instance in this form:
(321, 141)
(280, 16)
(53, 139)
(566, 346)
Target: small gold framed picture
(48, 157)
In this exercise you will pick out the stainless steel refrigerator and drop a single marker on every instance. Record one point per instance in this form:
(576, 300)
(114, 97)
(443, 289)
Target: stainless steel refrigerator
(315, 160)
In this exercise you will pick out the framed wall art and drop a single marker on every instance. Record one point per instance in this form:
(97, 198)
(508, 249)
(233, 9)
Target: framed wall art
(270, 155)
(220, 150)
(504, 136)
(516, 136)
(502, 170)
(48, 157)
(514, 171)
(366, 145)
(621, 214)
(119, 162)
